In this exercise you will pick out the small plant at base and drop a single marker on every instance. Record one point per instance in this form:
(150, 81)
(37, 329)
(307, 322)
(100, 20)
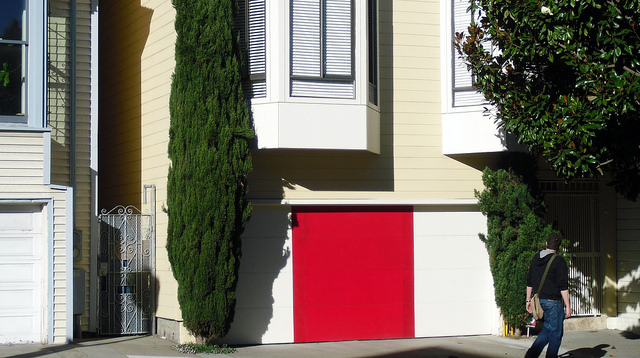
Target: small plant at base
(193, 348)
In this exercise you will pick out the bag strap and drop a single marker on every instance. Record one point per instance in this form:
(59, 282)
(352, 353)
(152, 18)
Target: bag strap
(544, 276)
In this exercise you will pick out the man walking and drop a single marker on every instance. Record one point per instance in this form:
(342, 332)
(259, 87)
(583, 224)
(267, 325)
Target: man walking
(554, 297)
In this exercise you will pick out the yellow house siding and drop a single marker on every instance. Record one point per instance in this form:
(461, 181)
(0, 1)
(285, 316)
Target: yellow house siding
(83, 174)
(121, 110)
(157, 63)
(59, 91)
(21, 158)
(628, 254)
(61, 112)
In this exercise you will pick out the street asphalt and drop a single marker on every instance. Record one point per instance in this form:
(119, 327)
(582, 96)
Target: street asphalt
(576, 344)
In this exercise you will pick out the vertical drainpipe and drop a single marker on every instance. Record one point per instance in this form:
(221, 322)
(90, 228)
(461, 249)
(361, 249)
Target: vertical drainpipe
(95, 236)
(72, 101)
(73, 142)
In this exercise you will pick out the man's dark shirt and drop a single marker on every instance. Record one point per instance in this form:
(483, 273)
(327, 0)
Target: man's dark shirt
(557, 279)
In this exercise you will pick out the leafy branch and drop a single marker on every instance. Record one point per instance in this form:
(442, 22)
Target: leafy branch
(4, 74)
(565, 80)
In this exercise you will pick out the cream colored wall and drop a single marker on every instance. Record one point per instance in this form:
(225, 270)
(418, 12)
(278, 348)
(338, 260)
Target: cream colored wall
(22, 160)
(120, 131)
(59, 92)
(157, 63)
(411, 165)
(628, 268)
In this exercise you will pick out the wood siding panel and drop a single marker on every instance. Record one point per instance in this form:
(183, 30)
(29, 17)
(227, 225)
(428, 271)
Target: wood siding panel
(628, 255)
(21, 158)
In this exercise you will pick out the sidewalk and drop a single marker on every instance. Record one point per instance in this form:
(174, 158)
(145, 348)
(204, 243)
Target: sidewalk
(576, 344)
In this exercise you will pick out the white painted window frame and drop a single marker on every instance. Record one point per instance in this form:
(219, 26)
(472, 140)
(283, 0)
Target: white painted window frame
(321, 36)
(36, 69)
(448, 56)
(278, 50)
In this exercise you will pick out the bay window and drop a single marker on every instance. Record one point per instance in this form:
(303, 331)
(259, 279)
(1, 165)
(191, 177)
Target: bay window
(311, 72)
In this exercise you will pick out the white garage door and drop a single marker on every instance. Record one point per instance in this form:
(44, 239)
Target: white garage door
(20, 274)
(453, 282)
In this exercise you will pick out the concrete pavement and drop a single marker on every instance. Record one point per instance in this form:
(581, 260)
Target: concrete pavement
(576, 344)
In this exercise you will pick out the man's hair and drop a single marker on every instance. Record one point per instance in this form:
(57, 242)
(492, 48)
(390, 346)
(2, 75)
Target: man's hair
(553, 241)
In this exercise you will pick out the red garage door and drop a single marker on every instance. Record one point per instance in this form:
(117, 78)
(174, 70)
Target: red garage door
(352, 273)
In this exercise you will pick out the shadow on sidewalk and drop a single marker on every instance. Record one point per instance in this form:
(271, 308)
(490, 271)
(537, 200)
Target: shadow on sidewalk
(78, 343)
(433, 352)
(595, 352)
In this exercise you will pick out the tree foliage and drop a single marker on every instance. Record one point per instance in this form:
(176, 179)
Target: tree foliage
(564, 77)
(209, 139)
(516, 231)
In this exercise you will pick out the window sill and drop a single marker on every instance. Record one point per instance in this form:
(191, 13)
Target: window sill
(317, 126)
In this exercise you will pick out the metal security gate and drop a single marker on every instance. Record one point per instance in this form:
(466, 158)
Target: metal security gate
(126, 272)
(575, 209)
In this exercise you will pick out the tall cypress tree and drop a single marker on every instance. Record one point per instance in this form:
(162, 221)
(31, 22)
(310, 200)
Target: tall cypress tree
(209, 139)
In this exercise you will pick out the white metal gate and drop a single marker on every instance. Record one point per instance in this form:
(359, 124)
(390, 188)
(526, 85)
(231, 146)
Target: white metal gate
(574, 207)
(126, 276)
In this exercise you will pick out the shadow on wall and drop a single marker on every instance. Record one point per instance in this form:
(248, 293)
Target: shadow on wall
(628, 299)
(263, 313)
(59, 94)
(124, 30)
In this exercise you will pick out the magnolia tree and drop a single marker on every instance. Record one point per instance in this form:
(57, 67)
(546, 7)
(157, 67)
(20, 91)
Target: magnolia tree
(564, 77)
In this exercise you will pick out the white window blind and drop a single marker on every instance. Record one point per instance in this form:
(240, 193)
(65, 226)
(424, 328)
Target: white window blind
(322, 48)
(338, 38)
(252, 26)
(464, 94)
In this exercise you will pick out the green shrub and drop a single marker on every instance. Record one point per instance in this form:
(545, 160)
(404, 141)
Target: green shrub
(516, 231)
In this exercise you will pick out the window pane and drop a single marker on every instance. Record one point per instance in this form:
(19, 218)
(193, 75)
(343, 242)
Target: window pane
(305, 38)
(322, 49)
(257, 38)
(372, 49)
(12, 20)
(464, 94)
(11, 80)
(338, 34)
(250, 23)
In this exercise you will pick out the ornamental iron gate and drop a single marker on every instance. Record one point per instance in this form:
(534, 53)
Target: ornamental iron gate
(126, 272)
(574, 207)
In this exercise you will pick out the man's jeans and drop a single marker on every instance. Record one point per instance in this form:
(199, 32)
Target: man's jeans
(552, 329)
